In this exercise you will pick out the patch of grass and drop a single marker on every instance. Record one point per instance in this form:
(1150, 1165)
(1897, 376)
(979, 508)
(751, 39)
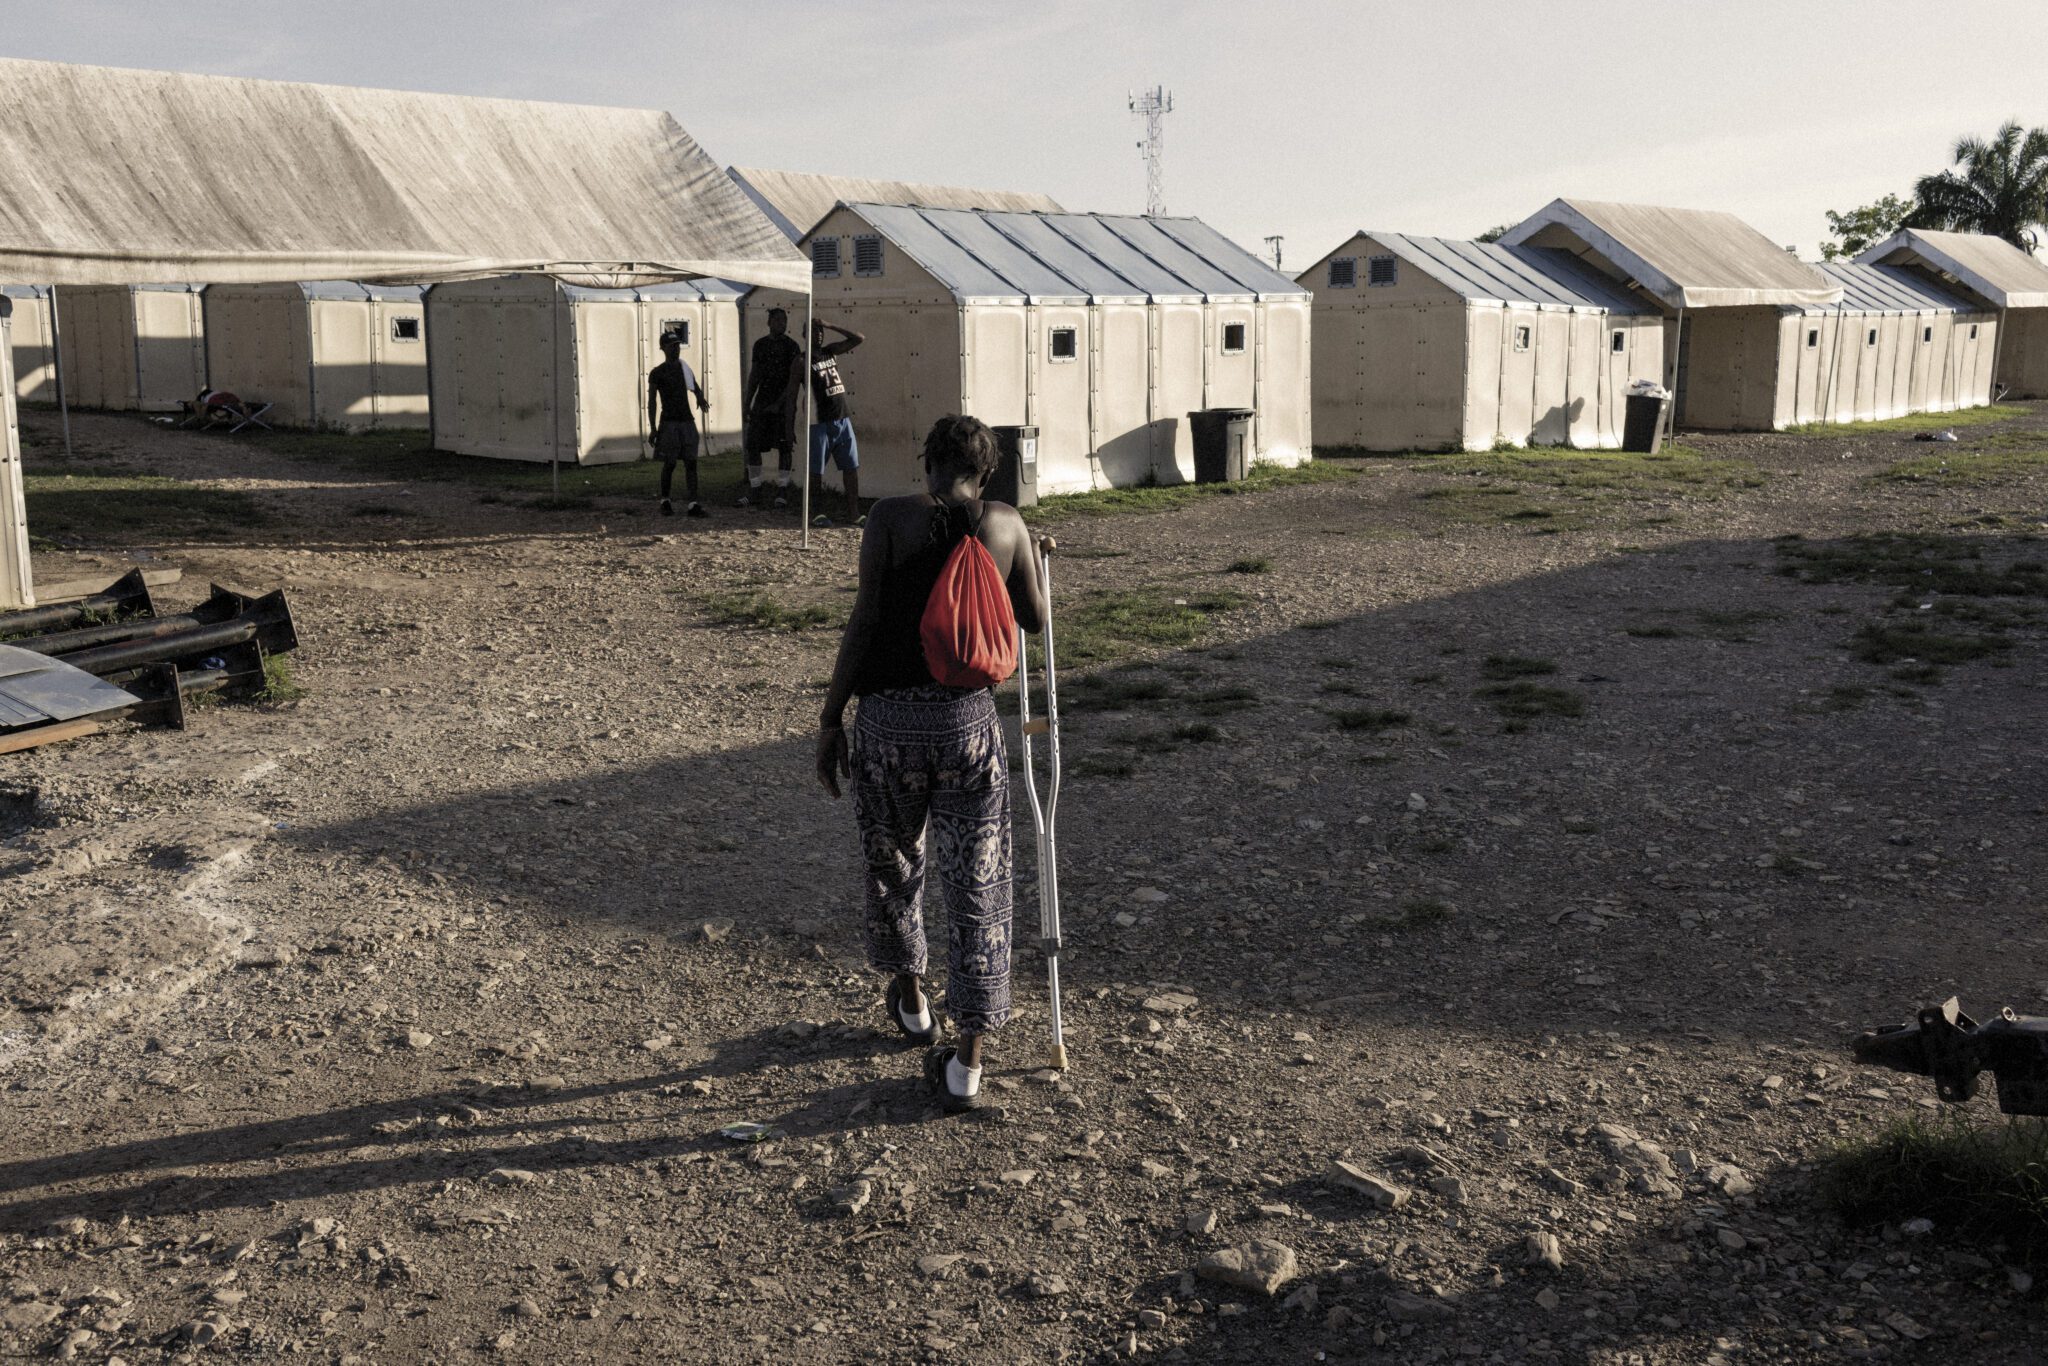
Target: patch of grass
(1255, 564)
(1321, 624)
(379, 510)
(1165, 497)
(1967, 469)
(1224, 701)
(764, 612)
(1197, 733)
(1893, 642)
(1979, 1183)
(1733, 626)
(1337, 662)
(1104, 766)
(278, 683)
(406, 455)
(1674, 470)
(567, 502)
(1515, 666)
(1526, 701)
(113, 506)
(1371, 719)
(1114, 624)
(1915, 422)
(1343, 689)
(1653, 632)
(1926, 562)
(1845, 697)
(1416, 914)
(1426, 680)
(1118, 690)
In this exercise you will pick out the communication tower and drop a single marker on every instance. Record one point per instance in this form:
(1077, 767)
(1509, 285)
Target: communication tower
(1154, 105)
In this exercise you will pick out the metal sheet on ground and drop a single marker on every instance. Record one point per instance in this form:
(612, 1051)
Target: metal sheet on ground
(36, 690)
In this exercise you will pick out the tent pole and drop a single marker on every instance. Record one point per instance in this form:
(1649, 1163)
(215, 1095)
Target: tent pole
(555, 378)
(803, 445)
(57, 354)
(1677, 359)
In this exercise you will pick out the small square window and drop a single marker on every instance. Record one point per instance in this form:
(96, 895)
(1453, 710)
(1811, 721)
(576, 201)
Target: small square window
(679, 326)
(1379, 270)
(1063, 343)
(1344, 273)
(405, 329)
(1871, 340)
(1926, 334)
(867, 255)
(1522, 337)
(825, 257)
(1618, 343)
(1973, 331)
(1233, 338)
(1813, 339)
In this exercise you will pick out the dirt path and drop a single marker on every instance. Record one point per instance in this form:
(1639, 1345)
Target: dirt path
(1531, 845)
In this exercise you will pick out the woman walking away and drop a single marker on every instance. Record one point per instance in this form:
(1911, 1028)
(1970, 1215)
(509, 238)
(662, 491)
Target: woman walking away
(926, 757)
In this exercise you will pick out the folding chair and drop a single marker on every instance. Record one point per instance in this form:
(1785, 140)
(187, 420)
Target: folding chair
(250, 416)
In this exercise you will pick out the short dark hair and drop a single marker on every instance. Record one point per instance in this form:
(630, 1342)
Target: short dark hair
(783, 311)
(962, 445)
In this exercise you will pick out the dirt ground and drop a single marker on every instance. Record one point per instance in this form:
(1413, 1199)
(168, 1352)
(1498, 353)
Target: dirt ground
(1532, 841)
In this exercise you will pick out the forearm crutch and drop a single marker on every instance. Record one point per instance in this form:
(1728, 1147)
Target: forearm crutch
(1044, 812)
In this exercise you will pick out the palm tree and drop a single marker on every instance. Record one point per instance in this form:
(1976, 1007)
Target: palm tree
(2002, 188)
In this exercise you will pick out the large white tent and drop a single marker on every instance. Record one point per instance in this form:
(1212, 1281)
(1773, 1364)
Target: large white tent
(797, 200)
(130, 347)
(1997, 272)
(139, 177)
(1426, 343)
(1718, 280)
(34, 343)
(1102, 331)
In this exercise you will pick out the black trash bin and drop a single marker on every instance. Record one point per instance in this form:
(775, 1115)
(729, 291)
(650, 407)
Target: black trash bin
(1642, 427)
(1016, 478)
(1223, 444)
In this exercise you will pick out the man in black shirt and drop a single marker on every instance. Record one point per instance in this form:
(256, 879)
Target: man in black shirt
(672, 427)
(770, 407)
(832, 416)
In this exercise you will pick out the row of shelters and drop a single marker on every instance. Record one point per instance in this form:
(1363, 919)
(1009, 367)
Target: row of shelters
(1535, 339)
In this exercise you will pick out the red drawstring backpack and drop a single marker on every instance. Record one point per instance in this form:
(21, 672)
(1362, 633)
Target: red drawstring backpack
(968, 629)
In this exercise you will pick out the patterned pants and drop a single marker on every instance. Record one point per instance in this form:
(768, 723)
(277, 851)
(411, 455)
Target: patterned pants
(933, 759)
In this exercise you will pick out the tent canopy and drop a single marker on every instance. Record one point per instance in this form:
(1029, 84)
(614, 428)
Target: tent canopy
(134, 177)
(1487, 272)
(1989, 266)
(797, 200)
(1075, 257)
(1687, 258)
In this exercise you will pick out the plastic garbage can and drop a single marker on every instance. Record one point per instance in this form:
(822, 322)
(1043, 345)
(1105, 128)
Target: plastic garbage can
(1223, 444)
(1016, 478)
(1642, 427)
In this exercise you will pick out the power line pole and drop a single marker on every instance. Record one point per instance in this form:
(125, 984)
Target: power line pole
(1274, 242)
(1154, 105)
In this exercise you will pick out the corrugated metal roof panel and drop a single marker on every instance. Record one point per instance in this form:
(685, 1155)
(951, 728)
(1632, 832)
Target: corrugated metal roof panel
(1148, 276)
(1536, 277)
(797, 200)
(1227, 256)
(25, 291)
(1096, 277)
(1889, 289)
(355, 289)
(1689, 258)
(1990, 266)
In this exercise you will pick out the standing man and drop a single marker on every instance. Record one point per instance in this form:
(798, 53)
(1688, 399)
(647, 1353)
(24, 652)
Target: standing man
(672, 425)
(832, 416)
(774, 382)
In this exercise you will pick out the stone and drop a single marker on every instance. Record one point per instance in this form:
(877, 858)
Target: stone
(1907, 1328)
(24, 1318)
(853, 1197)
(69, 1228)
(656, 1043)
(1044, 1287)
(2020, 1281)
(228, 1299)
(1917, 1228)
(1546, 1299)
(1151, 1318)
(1169, 1003)
(1258, 1264)
(1201, 1222)
(75, 1341)
(1155, 1171)
(1729, 1179)
(1408, 1308)
(715, 931)
(418, 1038)
(1020, 1176)
(512, 1176)
(1149, 896)
(938, 1265)
(1543, 1249)
(1558, 1183)
(1450, 1188)
(202, 1332)
(1305, 1298)
(526, 1308)
(1347, 1176)
(1730, 1239)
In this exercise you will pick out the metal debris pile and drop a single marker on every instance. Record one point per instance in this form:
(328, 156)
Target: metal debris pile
(69, 668)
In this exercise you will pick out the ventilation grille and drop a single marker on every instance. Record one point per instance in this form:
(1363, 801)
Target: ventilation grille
(867, 256)
(1344, 273)
(825, 256)
(1380, 270)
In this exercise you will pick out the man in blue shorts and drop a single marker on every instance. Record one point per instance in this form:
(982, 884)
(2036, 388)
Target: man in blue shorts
(832, 416)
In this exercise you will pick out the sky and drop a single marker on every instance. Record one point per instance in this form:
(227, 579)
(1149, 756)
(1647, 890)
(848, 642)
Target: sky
(1305, 118)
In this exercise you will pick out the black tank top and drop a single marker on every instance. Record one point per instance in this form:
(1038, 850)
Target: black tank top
(895, 658)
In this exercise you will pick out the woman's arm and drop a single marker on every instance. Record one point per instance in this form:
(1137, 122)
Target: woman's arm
(1027, 589)
(853, 650)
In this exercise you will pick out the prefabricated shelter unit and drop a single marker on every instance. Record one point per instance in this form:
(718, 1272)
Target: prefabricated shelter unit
(1720, 284)
(1895, 344)
(35, 349)
(132, 346)
(323, 353)
(795, 200)
(1999, 274)
(1425, 343)
(1103, 332)
(521, 366)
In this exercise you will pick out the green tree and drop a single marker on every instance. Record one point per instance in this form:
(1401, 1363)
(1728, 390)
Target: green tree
(1997, 187)
(1856, 231)
(1494, 233)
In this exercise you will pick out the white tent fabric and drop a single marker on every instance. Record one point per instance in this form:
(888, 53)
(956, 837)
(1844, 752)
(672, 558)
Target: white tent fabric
(1989, 266)
(135, 177)
(1688, 258)
(797, 200)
